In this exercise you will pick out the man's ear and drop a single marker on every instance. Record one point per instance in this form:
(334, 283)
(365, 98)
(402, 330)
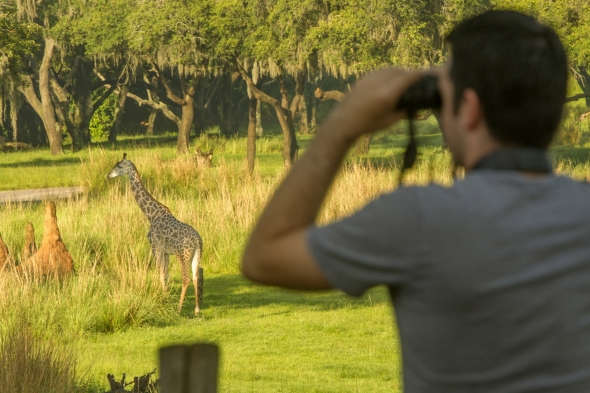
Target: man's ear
(471, 112)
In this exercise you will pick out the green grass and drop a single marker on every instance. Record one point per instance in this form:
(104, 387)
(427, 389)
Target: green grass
(114, 312)
(271, 340)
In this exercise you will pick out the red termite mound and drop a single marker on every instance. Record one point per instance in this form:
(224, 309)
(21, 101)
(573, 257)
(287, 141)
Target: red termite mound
(52, 258)
(5, 258)
(30, 248)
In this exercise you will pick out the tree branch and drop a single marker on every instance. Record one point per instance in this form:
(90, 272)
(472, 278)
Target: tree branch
(577, 97)
(169, 93)
(157, 105)
(103, 97)
(28, 90)
(104, 82)
(257, 93)
(328, 95)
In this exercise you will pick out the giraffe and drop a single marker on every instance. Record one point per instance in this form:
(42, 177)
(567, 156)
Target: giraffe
(167, 235)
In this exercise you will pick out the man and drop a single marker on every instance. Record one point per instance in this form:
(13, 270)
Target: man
(490, 278)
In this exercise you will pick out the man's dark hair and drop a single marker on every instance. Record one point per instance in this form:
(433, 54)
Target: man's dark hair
(518, 68)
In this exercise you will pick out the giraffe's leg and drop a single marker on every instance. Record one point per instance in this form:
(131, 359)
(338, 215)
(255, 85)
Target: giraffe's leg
(183, 262)
(162, 260)
(165, 266)
(197, 280)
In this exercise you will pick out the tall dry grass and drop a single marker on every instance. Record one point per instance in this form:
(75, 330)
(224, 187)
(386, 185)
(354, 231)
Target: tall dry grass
(116, 285)
(30, 363)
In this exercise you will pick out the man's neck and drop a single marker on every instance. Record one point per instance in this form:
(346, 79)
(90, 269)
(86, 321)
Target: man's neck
(529, 161)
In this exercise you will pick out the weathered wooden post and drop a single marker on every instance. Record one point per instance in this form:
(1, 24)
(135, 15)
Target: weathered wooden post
(189, 369)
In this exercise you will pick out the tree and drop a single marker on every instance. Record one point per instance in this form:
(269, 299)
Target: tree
(173, 42)
(19, 41)
(571, 20)
(268, 35)
(58, 76)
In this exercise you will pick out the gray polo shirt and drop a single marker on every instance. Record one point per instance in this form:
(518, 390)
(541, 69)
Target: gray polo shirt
(490, 279)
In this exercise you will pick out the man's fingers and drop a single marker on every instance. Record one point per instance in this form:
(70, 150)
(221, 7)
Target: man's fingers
(402, 82)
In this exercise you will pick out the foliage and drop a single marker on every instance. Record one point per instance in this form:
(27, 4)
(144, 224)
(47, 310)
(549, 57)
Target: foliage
(18, 40)
(103, 119)
(343, 38)
(569, 18)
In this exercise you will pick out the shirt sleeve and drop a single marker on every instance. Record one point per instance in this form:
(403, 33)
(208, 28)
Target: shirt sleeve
(376, 245)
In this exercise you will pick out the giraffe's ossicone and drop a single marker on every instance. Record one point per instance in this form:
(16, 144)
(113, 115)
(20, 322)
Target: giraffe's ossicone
(167, 235)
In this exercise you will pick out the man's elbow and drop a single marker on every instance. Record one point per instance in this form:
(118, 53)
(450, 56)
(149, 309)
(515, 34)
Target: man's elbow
(252, 268)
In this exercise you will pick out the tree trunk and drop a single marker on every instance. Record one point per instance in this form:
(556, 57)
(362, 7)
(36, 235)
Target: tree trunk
(62, 109)
(44, 106)
(152, 96)
(291, 110)
(259, 129)
(84, 107)
(584, 82)
(299, 90)
(303, 126)
(313, 119)
(34, 127)
(284, 92)
(251, 138)
(200, 116)
(289, 142)
(151, 121)
(187, 108)
(119, 111)
(226, 105)
(362, 144)
(186, 123)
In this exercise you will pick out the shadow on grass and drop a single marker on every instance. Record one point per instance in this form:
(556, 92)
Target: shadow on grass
(234, 291)
(575, 154)
(43, 162)
(139, 142)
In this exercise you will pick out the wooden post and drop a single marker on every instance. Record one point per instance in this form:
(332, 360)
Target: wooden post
(173, 369)
(204, 362)
(189, 369)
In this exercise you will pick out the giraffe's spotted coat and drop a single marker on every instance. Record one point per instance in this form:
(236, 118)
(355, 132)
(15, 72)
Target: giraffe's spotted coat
(167, 235)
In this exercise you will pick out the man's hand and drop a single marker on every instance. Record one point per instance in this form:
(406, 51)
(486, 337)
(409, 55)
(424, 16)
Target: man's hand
(277, 252)
(370, 105)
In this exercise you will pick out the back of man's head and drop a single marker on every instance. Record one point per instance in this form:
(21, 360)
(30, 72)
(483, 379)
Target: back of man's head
(518, 68)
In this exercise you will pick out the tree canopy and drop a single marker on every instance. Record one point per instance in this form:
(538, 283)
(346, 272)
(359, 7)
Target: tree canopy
(182, 59)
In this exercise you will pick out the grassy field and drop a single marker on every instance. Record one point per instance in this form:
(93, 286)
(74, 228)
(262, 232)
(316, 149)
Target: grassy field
(113, 313)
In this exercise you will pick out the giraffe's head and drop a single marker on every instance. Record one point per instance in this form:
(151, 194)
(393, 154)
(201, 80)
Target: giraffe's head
(123, 167)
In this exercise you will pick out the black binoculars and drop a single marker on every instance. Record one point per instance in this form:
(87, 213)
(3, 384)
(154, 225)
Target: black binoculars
(423, 94)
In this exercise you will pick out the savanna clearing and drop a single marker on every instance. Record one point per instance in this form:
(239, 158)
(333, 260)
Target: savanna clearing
(112, 316)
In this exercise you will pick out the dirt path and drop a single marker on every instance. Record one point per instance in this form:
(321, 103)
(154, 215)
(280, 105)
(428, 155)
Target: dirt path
(39, 194)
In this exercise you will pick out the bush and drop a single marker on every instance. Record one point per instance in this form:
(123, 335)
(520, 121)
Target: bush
(103, 118)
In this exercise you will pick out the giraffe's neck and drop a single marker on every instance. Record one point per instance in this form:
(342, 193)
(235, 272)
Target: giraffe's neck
(147, 203)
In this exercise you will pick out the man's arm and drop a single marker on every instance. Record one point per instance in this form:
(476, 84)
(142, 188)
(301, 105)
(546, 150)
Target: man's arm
(277, 252)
